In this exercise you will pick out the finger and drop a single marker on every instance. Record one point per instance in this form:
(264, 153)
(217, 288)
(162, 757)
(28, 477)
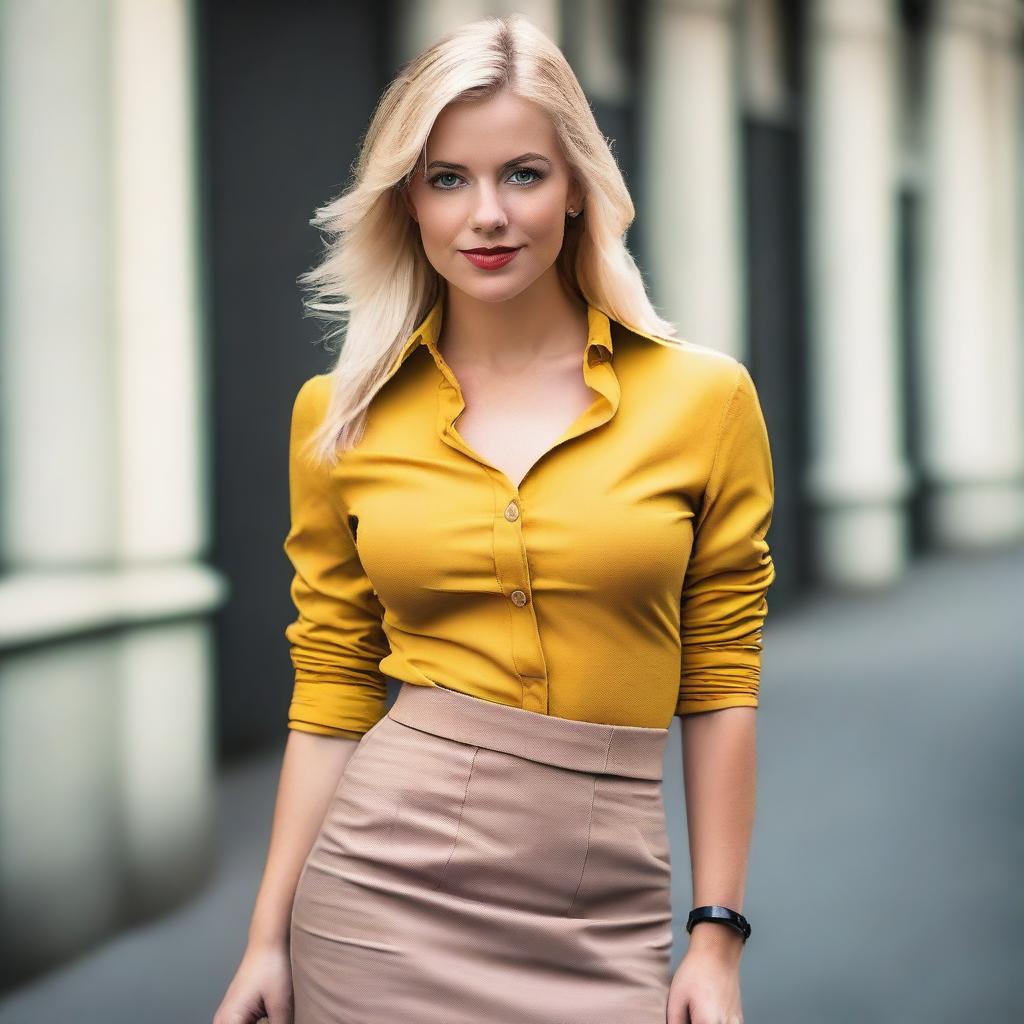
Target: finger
(679, 1014)
(280, 1012)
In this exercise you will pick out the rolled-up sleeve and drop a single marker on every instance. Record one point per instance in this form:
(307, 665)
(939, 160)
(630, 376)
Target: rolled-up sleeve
(724, 600)
(337, 641)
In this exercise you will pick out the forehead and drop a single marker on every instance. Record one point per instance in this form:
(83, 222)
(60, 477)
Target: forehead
(494, 128)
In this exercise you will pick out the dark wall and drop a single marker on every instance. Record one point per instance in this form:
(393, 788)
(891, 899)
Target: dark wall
(774, 227)
(285, 92)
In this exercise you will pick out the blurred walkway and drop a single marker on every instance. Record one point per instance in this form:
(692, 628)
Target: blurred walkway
(885, 869)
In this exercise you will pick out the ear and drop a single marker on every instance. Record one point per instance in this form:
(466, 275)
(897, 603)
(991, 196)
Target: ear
(407, 200)
(576, 195)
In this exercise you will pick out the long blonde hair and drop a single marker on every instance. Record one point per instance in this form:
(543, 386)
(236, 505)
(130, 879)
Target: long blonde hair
(375, 283)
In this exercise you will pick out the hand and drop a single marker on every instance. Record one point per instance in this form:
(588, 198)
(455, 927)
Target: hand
(706, 986)
(261, 988)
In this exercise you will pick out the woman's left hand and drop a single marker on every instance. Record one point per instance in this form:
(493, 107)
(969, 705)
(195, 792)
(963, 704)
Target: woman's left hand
(706, 986)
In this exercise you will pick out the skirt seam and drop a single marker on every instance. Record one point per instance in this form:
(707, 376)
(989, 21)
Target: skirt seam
(458, 827)
(586, 855)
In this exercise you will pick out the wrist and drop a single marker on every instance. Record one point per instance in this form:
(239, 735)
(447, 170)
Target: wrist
(716, 939)
(262, 938)
(270, 924)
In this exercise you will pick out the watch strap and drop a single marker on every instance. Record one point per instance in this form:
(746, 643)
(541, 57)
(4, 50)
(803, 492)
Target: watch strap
(719, 915)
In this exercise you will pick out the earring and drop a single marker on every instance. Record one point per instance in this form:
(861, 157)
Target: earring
(572, 212)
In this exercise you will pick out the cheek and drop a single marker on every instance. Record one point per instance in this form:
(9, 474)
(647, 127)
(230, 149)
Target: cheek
(438, 221)
(542, 221)
(438, 225)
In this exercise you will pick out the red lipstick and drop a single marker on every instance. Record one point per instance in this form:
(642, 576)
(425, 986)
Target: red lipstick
(490, 258)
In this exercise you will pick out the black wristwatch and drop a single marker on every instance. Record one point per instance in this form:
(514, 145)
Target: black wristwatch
(719, 915)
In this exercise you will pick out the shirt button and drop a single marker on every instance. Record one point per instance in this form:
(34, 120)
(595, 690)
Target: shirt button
(518, 598)
(511, 511)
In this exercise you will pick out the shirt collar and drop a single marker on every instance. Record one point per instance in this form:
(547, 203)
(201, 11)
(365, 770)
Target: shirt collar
(598, 348)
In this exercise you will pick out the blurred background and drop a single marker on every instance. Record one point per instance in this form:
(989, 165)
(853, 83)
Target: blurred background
(831, 190)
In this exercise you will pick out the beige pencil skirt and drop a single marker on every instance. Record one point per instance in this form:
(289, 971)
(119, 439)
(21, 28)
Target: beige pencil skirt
(484, 864)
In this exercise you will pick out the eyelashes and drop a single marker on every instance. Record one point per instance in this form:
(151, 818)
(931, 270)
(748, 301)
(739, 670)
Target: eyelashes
(537, 176)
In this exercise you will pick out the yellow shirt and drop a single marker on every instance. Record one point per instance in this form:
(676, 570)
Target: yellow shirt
(622, 582)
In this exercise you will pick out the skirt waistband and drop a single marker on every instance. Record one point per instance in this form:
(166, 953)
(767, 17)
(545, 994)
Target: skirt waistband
(600, 749)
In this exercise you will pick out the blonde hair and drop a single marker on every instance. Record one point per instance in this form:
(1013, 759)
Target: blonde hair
(375, 282)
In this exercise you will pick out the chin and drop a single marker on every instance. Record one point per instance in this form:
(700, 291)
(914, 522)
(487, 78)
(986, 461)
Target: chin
(493, 295)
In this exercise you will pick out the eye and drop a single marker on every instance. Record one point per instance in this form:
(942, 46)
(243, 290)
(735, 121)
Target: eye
(435, 180)
(443, 174)
(528, 170)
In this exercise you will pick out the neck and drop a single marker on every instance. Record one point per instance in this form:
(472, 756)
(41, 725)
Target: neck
(544, 323)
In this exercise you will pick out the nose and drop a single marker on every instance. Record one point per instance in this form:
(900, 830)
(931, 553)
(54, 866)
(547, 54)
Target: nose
(487, 212)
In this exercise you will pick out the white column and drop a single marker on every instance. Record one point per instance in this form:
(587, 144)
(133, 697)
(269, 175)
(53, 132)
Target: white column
(857, 478)
(764, 93)
(599, 66)
(57, 415)
(166, 668)
(59, 848)
(971, 386)
(160, 414)
(544, 14)
(692, 200)
(105, 651)
(421, 24)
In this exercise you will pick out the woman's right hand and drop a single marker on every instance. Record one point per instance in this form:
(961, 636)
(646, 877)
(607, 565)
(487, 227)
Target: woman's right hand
(310, 773)
(261, 988)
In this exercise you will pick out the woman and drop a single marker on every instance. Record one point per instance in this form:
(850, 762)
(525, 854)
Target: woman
(518, 496)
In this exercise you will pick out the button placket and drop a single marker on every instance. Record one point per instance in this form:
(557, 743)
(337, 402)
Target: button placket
(514, 573)
(518, 596)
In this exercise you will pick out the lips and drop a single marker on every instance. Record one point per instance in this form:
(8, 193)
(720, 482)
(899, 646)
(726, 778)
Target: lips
(490, 259)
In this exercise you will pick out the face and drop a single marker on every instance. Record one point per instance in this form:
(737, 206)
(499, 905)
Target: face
(495, 177)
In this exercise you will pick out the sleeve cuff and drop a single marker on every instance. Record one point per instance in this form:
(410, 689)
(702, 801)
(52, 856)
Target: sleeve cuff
(695, 705)
(325, 730)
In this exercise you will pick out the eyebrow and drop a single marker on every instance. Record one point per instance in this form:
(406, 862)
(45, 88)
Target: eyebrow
(508, 163)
